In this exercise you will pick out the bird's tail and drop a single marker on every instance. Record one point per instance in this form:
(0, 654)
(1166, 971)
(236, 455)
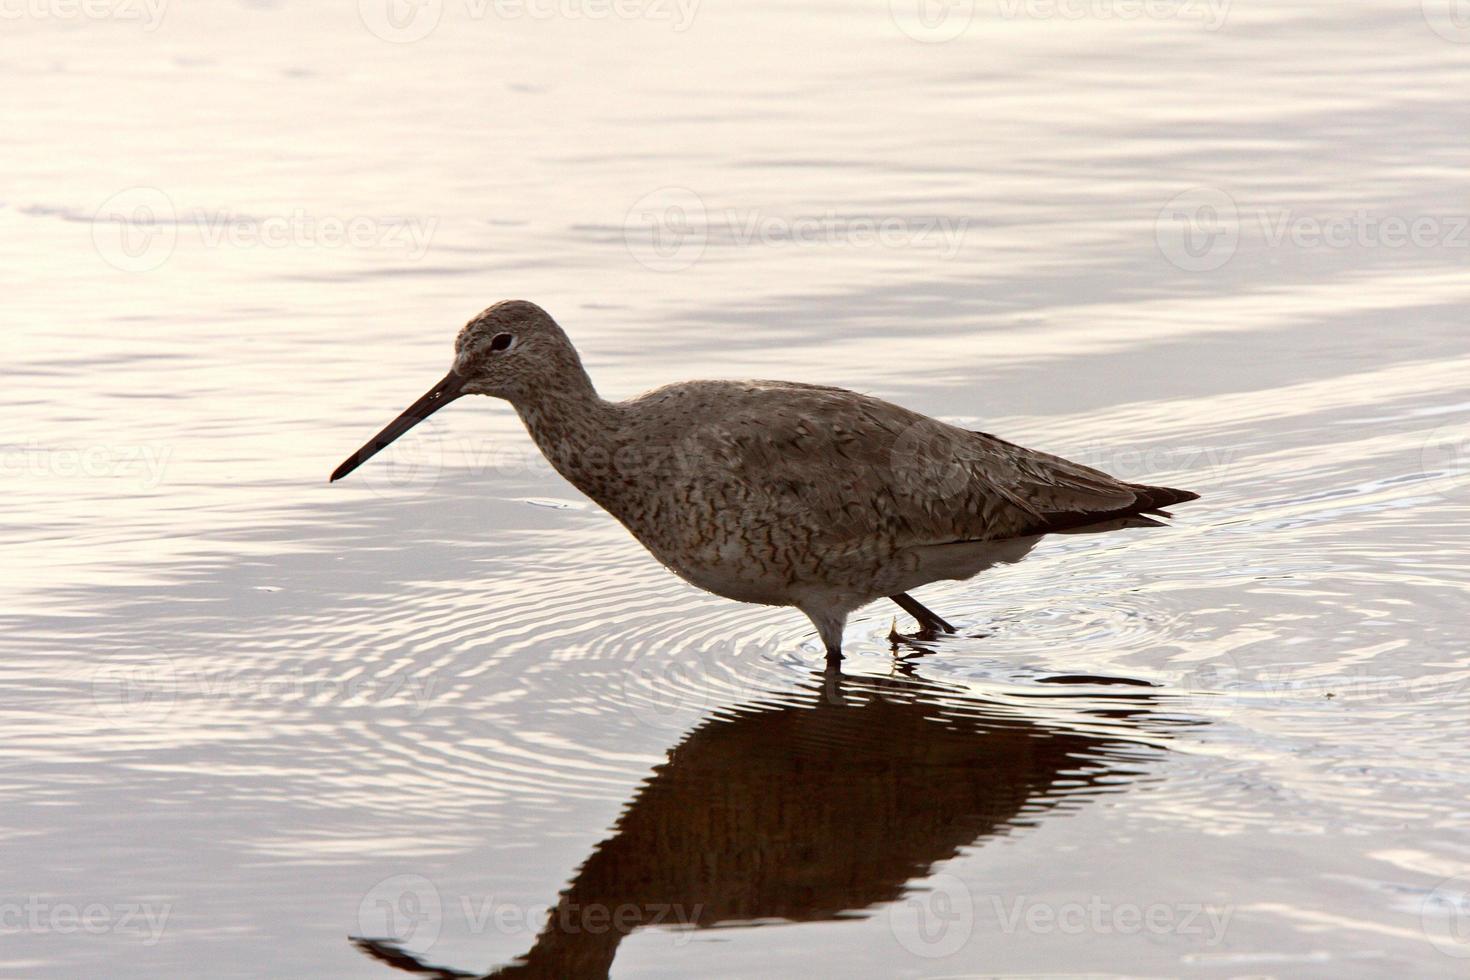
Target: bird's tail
(1153, 500)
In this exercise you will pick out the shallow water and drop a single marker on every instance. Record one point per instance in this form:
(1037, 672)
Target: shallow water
(245, 715)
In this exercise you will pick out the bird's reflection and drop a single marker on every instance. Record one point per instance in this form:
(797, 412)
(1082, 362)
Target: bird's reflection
(820, 803)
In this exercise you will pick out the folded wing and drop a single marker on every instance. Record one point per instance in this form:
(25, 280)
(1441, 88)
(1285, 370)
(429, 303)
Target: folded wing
(851, 467)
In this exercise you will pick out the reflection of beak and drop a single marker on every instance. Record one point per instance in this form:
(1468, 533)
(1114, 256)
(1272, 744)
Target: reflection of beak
(437, 397)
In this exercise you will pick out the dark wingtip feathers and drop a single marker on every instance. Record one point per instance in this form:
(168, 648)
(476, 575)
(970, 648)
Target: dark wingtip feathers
(1150, 504)
(1153, 500)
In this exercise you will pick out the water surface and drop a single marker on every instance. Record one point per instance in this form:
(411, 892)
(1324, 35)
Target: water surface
(247, 715)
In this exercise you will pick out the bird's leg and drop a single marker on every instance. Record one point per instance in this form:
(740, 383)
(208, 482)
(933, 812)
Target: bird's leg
(832, 683)
(929, 621)
(829, 626)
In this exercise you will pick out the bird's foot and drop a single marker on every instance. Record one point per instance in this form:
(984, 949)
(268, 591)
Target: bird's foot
(922, 634)
(912, 641)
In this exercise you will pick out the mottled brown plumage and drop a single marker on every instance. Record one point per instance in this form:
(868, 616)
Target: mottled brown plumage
(775, 492)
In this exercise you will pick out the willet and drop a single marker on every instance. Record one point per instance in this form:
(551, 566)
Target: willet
(780, 493)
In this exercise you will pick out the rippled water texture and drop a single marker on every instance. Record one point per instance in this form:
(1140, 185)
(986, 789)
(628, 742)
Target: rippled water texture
(246, 715)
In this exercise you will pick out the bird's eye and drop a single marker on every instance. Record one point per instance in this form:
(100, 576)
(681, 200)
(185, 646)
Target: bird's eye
(501, 341)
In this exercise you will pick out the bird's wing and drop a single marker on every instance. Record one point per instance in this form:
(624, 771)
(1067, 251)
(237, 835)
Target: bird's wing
(852, 467)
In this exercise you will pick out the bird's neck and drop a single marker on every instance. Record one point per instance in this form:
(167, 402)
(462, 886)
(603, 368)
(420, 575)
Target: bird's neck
(575, 429)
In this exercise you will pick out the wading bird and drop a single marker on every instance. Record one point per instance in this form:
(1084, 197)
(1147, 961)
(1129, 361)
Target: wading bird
(780, 493)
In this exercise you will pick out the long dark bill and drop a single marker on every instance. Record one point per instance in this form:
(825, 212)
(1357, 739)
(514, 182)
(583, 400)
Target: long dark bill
(436, 398)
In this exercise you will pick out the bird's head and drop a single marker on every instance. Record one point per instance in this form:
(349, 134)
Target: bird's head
(511, 350)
